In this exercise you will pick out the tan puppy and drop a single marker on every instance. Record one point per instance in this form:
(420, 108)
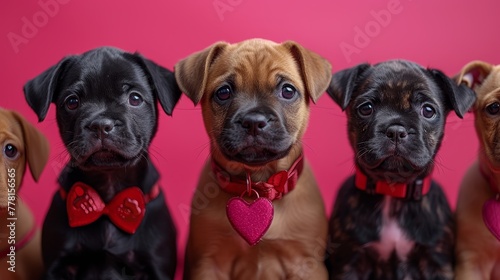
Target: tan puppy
(255, 103)
(477, 249)
(21, 143)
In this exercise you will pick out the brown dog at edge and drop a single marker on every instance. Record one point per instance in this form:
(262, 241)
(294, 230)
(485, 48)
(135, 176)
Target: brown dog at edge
(478, 251)
(21, 143)
(255, 99)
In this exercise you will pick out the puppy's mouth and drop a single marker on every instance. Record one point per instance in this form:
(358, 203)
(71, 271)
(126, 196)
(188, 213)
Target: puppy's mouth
(106, 156)
(393, 168)
(254, 155)
(105, 159)
(397, 162)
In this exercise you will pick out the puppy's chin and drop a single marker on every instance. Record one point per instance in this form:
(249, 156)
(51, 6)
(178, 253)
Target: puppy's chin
(395, 169)
(106, 160)
(254, 156)
(255, 150)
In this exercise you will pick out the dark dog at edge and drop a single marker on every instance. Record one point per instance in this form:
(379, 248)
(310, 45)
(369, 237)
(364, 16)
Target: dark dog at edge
(391, 220)
(106, 110)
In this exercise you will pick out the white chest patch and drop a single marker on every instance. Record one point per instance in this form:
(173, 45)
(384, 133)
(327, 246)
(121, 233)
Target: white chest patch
(392, 237)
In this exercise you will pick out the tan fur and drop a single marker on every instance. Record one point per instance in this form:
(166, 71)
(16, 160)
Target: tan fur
(294, 246)
(478, 251)
(33, 150)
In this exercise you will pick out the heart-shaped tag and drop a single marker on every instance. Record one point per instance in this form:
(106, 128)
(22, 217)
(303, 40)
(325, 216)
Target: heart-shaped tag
(250, 220)
(491, 216)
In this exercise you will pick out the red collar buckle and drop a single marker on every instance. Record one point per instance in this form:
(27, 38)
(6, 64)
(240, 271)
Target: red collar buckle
(274, 188)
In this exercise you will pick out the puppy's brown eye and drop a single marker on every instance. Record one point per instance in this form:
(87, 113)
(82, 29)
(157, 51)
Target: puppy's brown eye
(493, 109)
(135, 99)
(365, 109)
(428, 111)
(10, 151)
(72, 102)
(288, 91)
(223, 93)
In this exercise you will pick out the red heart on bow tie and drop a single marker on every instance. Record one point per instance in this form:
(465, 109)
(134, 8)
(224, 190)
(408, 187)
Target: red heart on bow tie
(126, 210)
(250, 220)
(491, 216)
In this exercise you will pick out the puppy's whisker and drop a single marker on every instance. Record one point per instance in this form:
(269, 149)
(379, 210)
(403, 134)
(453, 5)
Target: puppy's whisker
(304, 145)
(155, 151)
(440, 169)
(297, 148)
(347, 160)
(146, 158)
(362, 143)
(203, 148)
(363, 152)
(61, 155)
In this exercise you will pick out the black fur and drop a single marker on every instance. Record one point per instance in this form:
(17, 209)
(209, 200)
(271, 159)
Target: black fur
(377, 99)
(352, 228)
(107, 135)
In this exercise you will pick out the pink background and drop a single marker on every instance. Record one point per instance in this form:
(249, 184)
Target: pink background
(440, 34)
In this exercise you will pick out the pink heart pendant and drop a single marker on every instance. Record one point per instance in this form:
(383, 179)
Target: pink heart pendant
(491, 216)
(250, 220)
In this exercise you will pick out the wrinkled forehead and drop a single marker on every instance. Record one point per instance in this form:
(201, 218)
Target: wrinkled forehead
(109, 68)
(490, 85)
(255, 66)
(398, 84)
(9, 124)
(9, 129)
(104, 73)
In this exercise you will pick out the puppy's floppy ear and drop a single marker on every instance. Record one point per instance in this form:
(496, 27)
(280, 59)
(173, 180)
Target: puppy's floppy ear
(162, 82)
(36, 146)
(314, 69)
(474, 73)
(41, 91)
(191, 73)
(343, 83)
(459, 97)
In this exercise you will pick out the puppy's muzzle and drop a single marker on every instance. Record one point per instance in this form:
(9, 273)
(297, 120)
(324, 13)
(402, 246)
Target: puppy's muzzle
(105, 141)
(255, 136)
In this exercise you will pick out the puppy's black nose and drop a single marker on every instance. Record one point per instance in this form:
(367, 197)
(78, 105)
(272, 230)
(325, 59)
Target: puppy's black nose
(102, 127)
(254, 123)
(396, 133)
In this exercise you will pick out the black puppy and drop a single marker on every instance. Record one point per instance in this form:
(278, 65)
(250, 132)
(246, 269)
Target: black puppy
(109, 219)
(390, 220)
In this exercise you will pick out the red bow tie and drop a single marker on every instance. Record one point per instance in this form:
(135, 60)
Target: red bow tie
(275, 187)
(414, 190)
(126, 210)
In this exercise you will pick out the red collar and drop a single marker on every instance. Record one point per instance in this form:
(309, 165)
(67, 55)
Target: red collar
(415, 190)
(275, 187)
(126, 210)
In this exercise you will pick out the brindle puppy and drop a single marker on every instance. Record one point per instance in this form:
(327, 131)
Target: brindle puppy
(390, 220)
